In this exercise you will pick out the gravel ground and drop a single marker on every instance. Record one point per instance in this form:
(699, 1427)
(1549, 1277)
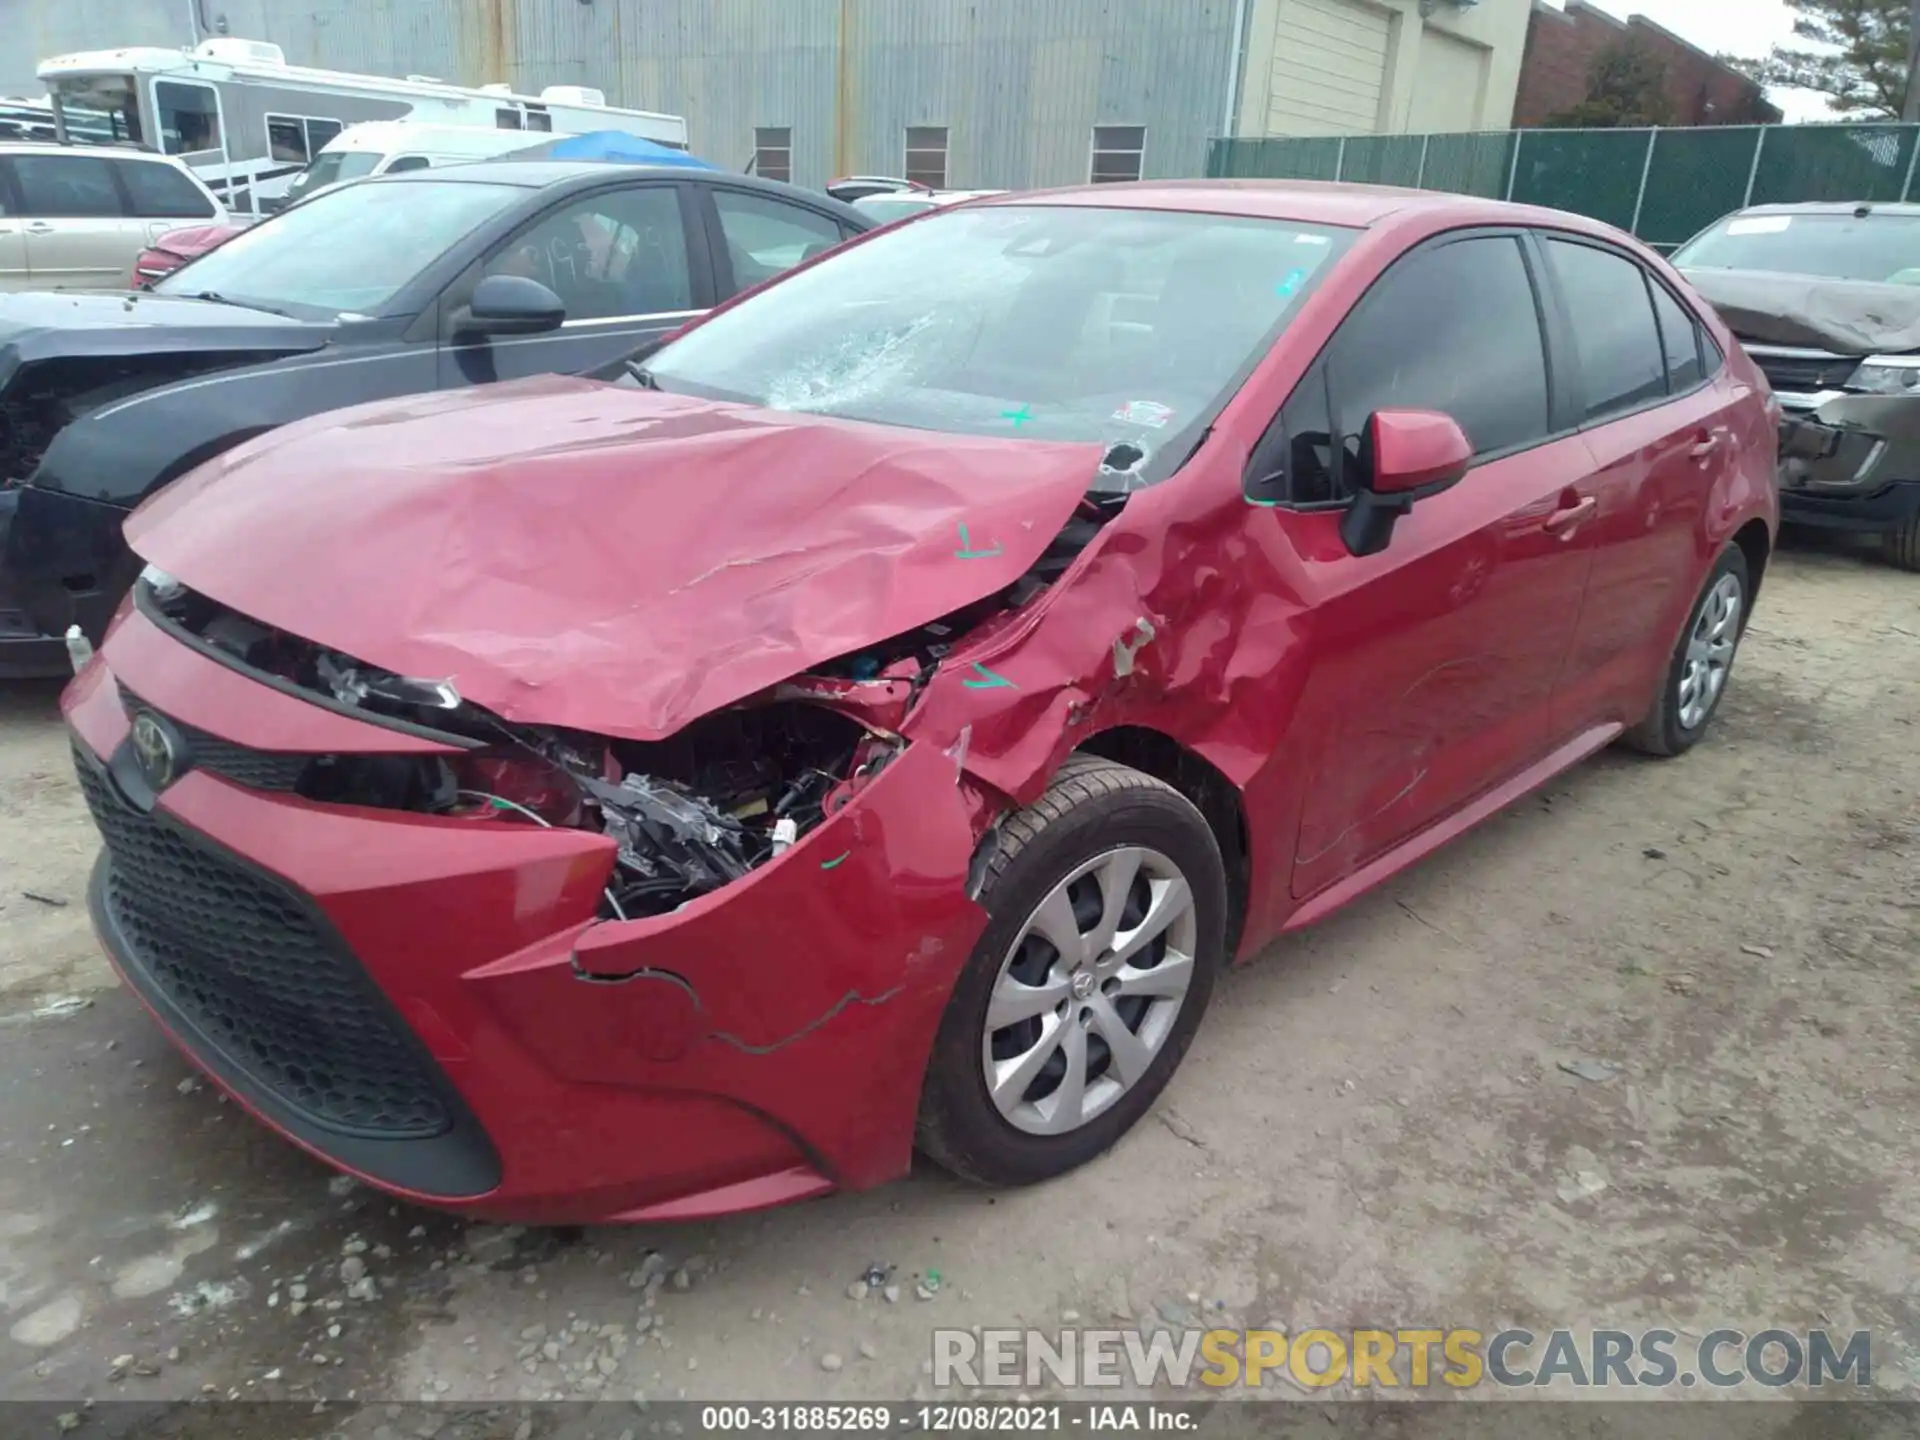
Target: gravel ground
(1374, 1127)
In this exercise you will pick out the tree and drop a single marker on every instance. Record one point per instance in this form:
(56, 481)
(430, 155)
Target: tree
(1859, 59)
(1626, 87)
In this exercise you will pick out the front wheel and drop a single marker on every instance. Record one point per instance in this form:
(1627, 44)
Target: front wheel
(1108, 916)
(1697, 676)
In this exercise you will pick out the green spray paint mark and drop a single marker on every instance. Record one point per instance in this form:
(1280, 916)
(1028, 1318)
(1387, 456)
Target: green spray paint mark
(1263, 504)
(967, 552)
(1018, 417)
(987, 680)
(836, 861)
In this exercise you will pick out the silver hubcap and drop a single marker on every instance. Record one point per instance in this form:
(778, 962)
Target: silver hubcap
(1089, 991)
(1709, 652)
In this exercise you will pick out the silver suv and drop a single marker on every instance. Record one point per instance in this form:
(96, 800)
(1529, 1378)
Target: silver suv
(73, 217)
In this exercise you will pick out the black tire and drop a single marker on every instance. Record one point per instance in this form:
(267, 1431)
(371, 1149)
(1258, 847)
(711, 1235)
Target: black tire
(1092, 806)
(1901, 545)
(1661, 734)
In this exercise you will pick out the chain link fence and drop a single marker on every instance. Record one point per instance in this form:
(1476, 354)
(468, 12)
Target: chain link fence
(1664, 186)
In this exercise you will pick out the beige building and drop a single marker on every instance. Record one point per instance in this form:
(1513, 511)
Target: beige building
(1368, 67)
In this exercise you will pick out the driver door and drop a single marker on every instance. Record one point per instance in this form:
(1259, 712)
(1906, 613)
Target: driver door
(624, 261)
(1436, 659)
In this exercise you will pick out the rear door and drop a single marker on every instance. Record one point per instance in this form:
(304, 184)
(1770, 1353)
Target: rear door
(1439, 654)
(161, 198)
(1660, 430)
(627, 262)
(79, 236)
(13, 233)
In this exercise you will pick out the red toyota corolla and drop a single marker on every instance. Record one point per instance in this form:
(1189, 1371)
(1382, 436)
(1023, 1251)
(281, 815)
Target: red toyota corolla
(876, 720)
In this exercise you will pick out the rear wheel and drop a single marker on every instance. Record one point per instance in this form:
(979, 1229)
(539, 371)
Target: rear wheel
(1901, 545)
(1108, 906)
(1697, 677)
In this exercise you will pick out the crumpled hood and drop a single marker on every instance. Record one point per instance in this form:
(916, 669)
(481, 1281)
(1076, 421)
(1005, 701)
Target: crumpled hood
(602, 556)
(51, 325)
(1847, 317)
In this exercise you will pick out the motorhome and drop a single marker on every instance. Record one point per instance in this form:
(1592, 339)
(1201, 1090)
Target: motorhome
(248, 122)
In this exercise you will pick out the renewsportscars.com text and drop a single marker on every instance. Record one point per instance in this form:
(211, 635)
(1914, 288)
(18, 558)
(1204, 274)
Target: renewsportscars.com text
(1455, 1358)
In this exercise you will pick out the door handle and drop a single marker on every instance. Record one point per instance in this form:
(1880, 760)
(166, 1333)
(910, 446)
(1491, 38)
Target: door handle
(1704, 448)
(39, 227)
(1565, 518)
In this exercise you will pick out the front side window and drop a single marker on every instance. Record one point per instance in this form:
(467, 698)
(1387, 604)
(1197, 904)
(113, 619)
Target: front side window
(294, 139)
(1119, 153)
(1454, 329)
(773, 152)
(1876, 247)
(160, 192)
(189, 117)
(56, 187)
(1621, 361)
(765, 236)
(1025, 321)
(349, 250)
(615, 254)
(98, 107)
(927, 155)
(404, 163)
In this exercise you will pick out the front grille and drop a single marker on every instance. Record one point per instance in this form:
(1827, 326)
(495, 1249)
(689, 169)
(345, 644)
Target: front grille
(243, 958)
(256, 769)
(1803, 371)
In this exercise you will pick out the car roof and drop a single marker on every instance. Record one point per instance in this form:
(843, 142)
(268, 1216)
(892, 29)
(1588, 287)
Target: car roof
(1312, 202)
(1836, 207)
(543, 174)
(54, 147)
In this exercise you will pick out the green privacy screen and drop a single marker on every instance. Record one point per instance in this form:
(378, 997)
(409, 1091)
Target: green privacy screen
(1663, 185)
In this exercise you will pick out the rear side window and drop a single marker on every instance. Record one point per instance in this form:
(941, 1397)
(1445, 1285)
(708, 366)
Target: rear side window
(66, 186)
(1622, 363)
(765, 236)
(1681, 339)
(160, 192)
(1454, 329)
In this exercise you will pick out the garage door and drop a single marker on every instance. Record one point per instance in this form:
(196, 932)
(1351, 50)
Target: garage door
(1448, 84)
(1329, 68)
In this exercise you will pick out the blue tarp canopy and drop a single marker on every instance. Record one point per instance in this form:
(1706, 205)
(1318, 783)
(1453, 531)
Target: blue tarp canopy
(614, 146)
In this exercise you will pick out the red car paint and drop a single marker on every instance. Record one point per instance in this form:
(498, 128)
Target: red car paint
(176, 248)
(1362, 710)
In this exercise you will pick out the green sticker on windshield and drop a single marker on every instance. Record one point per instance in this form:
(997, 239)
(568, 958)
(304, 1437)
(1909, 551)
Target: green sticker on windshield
(1018, 417)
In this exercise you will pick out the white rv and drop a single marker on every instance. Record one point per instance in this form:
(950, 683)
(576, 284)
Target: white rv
(248, 122)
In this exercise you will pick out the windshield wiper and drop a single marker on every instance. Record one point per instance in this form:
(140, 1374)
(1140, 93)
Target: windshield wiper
(219, 299)
(642, 375)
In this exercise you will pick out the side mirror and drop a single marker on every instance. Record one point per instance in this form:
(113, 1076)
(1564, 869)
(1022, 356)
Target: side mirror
(1408, 455)
(512, 305)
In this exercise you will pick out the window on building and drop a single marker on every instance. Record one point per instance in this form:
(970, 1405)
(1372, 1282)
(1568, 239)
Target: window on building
(160, 192)
(189, 117)
(927, 155)
(295, 139)
(773, 152)
(539, 119)
(1119, 152)
(505, 119)
(1622, 363)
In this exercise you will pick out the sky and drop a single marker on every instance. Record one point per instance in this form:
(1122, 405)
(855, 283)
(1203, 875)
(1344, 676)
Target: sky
(1737, 27)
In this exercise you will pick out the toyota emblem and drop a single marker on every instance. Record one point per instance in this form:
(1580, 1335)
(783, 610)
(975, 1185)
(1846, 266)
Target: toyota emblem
(154, 751)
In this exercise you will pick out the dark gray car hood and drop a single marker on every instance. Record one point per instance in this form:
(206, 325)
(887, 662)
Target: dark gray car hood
(53, 326)
(1847, 317)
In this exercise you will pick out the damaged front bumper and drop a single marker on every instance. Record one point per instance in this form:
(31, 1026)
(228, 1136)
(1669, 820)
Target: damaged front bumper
(433, 1004)
(1849, 462)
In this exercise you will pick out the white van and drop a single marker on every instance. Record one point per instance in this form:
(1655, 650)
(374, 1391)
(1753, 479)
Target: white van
(380, 147)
